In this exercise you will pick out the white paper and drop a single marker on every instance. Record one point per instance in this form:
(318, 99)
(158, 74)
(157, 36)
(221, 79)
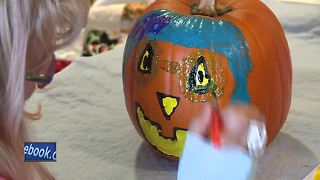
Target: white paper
(201, 161)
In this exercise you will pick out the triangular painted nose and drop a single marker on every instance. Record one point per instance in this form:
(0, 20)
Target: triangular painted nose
(168, 104)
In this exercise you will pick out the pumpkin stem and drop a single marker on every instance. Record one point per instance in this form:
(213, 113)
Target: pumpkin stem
(208, 8)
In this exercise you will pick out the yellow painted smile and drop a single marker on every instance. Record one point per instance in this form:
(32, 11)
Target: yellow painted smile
(152, 132)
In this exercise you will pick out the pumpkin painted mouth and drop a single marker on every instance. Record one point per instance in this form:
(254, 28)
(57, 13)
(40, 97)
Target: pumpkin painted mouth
(152, 132)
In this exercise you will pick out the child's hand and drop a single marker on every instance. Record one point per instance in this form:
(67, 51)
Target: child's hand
(242, 125)
(200, 124)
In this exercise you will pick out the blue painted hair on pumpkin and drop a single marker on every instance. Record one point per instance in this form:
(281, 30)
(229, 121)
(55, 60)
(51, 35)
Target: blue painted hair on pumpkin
(152, 22)
(218, 36)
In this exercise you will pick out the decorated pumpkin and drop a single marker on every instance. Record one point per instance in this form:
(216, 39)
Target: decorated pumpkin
(176, 60)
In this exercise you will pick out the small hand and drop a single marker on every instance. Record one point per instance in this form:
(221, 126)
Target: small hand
(200, 124)
(242, 125)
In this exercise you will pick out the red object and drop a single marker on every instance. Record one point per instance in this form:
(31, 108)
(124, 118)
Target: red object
(61, 64)
(216, 126)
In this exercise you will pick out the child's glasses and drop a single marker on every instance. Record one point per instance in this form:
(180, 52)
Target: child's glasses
(43, 79)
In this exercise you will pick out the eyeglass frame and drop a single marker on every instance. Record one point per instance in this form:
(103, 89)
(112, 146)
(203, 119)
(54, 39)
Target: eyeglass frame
(43, 79)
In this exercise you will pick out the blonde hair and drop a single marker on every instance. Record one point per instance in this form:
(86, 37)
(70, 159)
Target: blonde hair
(30, 30)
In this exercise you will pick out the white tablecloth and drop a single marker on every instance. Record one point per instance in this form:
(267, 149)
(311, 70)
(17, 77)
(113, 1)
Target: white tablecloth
(85, 114)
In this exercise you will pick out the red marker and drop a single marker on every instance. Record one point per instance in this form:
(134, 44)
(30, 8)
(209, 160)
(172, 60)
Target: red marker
(216, 126)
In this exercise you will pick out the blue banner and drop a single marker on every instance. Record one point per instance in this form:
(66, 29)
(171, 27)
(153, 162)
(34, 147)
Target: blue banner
(40, 151)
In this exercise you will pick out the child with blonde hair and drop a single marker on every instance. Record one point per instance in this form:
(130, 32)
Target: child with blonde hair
(30, 31)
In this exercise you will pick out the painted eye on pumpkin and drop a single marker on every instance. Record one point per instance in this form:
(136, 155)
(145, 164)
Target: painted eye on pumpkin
(199, 80)
(146, 58)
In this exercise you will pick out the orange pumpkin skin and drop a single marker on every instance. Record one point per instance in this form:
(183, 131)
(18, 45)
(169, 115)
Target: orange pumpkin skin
(268, 82)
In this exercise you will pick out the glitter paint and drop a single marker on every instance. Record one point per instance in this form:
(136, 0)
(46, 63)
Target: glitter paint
(198, 32)
(196, 76)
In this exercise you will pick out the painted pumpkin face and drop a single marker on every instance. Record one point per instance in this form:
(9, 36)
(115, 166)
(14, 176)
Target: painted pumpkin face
(174, 62)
